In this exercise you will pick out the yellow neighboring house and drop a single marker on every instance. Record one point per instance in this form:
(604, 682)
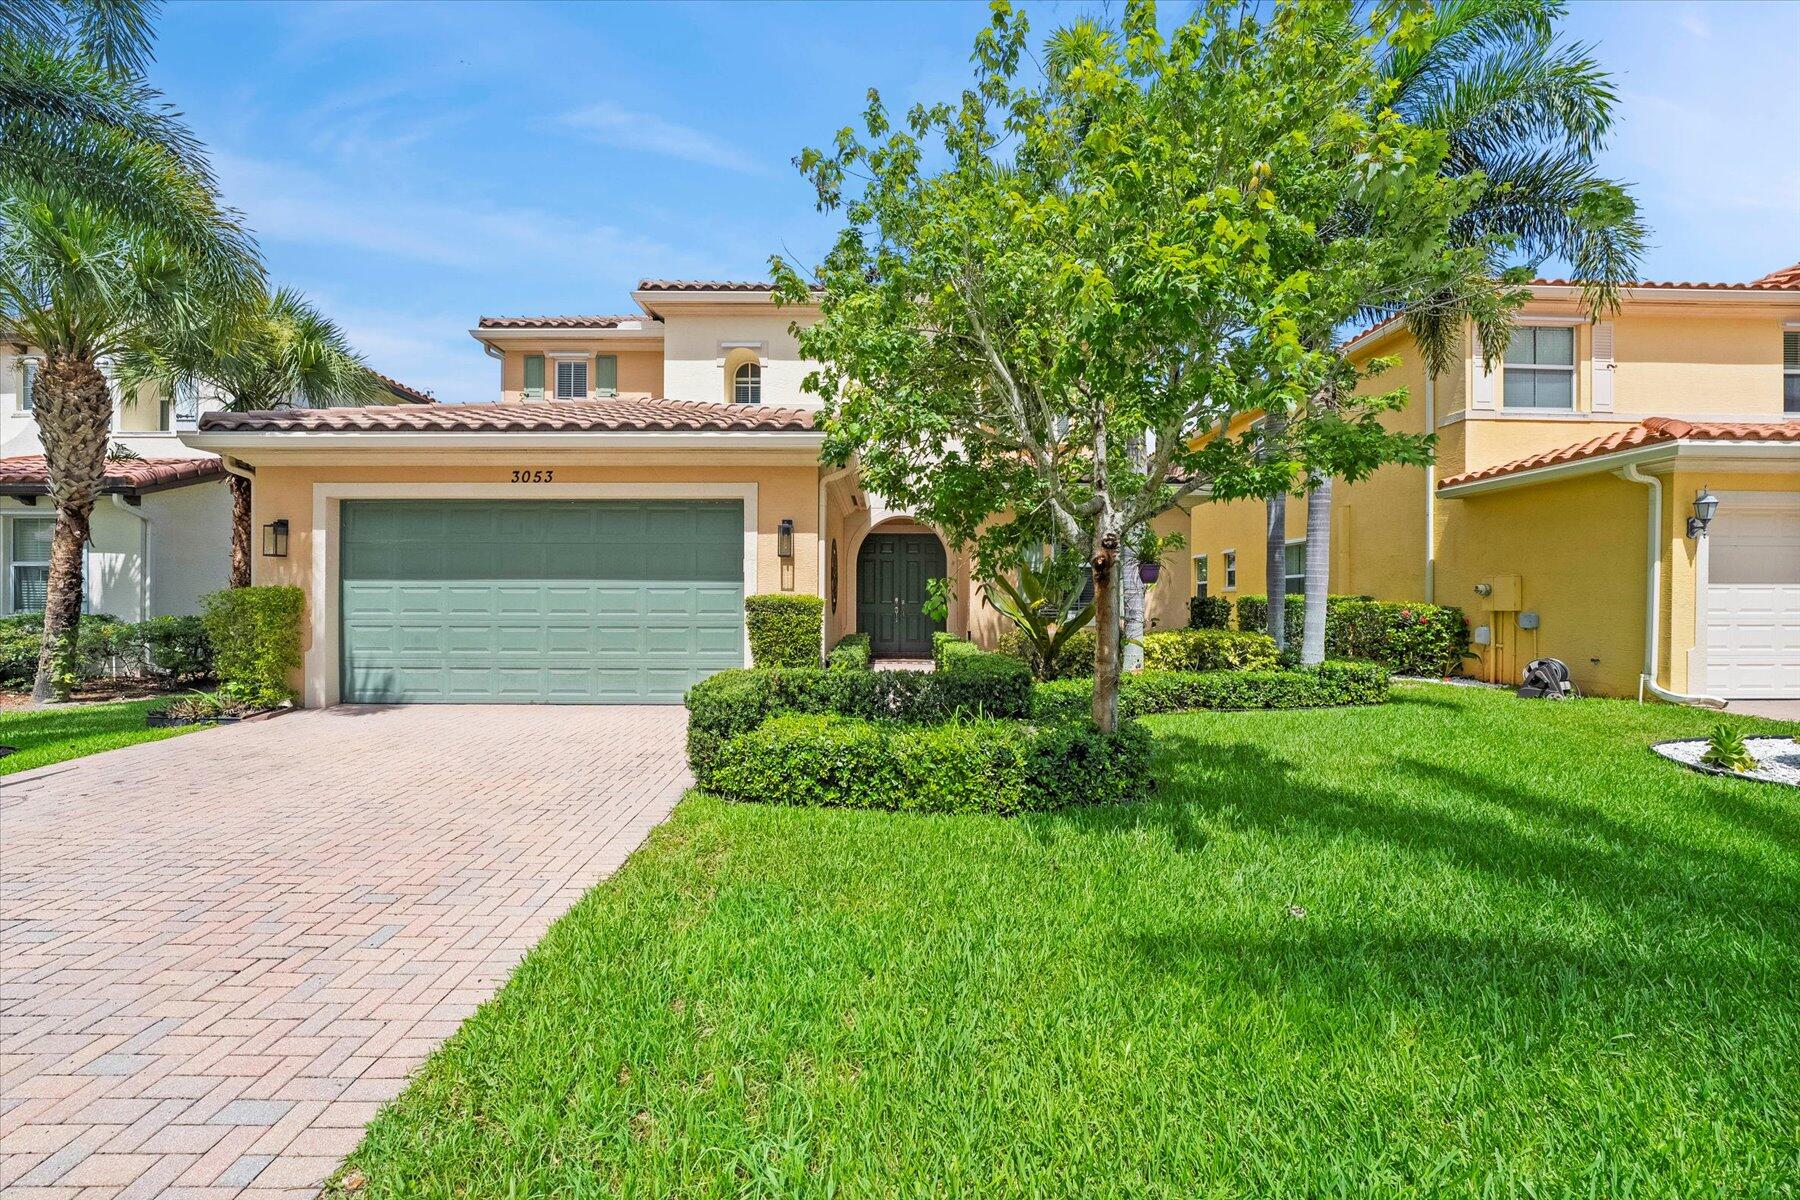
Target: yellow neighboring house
(589, 536)
(1567, 512)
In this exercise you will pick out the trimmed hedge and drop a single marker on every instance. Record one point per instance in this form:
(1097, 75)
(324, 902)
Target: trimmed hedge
(852, 653)
(1208, 650)
(172, 648)
(786, 630)
(735, 702)
(1253, 616)
(176, 648)
(1209, 612)
(1329, 685)
(255, 633)
(1002, 767)
(1412, 639)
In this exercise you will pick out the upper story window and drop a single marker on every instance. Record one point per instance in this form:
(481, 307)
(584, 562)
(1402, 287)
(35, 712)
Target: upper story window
(1540, 367)
(1293, 569)
(571, 379)
(182, 410)
(1200, 575)
(28, 374)
(532, 387)
(1231, 570)
(1790, 371)
(746, 384)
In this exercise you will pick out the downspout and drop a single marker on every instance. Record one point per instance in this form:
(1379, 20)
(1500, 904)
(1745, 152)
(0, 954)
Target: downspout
(143, 553)
(1653, 595)
(1431, 491)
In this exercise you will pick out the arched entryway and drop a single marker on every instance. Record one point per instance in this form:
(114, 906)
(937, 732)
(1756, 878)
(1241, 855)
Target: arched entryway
(891, 570)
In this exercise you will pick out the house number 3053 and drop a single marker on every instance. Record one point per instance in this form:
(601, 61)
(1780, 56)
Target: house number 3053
(534, 476)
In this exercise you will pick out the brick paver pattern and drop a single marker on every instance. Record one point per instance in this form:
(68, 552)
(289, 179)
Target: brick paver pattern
(220, 953)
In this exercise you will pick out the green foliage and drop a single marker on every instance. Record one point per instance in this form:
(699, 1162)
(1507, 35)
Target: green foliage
(255, 633)
(1725, 749)
(1411, 639)
(1253, 614)
(1209, 612)
(938, 597)
(1003, 767)
(786, 630)
(1039, 607)
(852, 653)
(174, 648)
(23, 633)
(976, 684)
(1208, 650)
(1331, 684)
(1075, 659)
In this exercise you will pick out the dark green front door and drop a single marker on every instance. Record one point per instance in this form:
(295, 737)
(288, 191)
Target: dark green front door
(539, 601)
(891, 570)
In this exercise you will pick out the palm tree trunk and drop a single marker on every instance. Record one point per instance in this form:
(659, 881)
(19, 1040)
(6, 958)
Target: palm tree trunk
(240, 531)
(1318, 569)
(1106, 633)
(74, 416)
(1275, 568)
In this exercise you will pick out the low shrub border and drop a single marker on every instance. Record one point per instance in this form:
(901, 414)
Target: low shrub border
(1208, 650)
(785, 630)
(1412, 639)
(1329, 685)
(852, 653)
(735, 702)
(1209, 612)
(1076, 657)
(255, 634)
(1002, 767)
(163, 649)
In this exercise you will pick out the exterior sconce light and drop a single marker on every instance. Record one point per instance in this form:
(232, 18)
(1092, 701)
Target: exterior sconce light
(275, 539)
(784, 539)
(1705, 506)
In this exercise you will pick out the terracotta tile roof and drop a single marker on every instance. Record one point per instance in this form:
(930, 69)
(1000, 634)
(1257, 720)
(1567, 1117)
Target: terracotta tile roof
(603, 321)
(623, 414)
(1787, 277)
(406, 395)
(29, 474)
(704, 285)
(1649, 432)
(1779, 281)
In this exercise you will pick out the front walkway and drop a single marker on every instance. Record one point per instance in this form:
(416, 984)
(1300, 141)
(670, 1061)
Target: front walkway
(221, 952)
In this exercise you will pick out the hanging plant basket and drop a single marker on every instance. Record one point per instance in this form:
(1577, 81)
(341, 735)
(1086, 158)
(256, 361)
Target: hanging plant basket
(1149, 571)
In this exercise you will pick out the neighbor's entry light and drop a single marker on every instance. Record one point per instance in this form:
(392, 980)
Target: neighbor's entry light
(275, 539)
(1705, 506)
(784, 539)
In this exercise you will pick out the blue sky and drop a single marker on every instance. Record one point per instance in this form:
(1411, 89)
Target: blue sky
(414, 166)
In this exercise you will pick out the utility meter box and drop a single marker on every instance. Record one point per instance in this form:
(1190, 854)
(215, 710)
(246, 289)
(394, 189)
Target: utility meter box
(1508, 594)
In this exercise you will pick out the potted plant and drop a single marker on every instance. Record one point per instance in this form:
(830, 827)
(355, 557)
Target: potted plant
(1150, 550)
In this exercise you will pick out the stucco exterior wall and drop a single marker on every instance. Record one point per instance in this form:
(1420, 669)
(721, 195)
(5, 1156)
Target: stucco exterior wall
(640, 365)
(695, 347)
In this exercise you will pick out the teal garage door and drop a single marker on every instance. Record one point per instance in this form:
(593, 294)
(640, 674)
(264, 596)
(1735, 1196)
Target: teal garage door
(538, 601)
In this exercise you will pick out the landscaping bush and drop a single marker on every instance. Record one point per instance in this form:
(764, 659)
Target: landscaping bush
(1209, 612)
(1002, 767)
(1411, 639)
(21, 636)
(1329, 685)
(1075, 659)
(1208, 650)
(735, 702)
(785, 629)
(255, 633)
(1253, 616)
(175, 648)
(852, 653)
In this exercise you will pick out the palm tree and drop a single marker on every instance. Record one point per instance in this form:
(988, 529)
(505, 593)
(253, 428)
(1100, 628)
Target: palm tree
(277, 352)
(1530, 113)
(109, 227)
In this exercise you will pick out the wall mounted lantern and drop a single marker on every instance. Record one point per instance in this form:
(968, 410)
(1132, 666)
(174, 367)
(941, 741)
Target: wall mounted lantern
(1705, 506)
(275, 539)
(784, 539)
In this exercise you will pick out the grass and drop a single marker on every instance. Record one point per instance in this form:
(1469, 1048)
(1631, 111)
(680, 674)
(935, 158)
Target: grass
(53, 735)
(1463, 945)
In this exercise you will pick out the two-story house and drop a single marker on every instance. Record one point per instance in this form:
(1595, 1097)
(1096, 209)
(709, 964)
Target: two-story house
(591, 533)
(1623, 495)
(160, 535)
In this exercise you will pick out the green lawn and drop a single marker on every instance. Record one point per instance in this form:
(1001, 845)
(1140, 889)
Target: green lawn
(45, 736)
(1462, 945)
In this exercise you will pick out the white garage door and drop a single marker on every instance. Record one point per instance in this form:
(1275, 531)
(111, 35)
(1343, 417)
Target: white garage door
(1753, 597)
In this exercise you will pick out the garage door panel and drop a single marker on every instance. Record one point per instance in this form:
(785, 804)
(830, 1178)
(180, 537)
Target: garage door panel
(578, 602)
(1753, 597)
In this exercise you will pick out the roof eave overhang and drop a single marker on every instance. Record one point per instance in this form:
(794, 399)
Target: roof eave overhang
(648, 331)
(443, 439)
(130, 491)
(1701, 451)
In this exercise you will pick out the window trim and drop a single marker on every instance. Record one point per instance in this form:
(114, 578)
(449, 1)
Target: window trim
(571, 360)
(1788, 372)
(1230, 557)
(1287, 577)
(30, 365)
(755, 382)
(1506, 368)
(1202, 569)
(13, 563)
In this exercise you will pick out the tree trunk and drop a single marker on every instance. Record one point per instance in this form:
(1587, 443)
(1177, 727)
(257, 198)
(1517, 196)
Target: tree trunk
(240, 531)
(74, 416)
(1131, 604)
(1318, 569)
(1106, 633)
(1275, 568)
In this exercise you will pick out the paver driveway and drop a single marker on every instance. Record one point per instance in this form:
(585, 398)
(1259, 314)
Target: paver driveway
(219, 953)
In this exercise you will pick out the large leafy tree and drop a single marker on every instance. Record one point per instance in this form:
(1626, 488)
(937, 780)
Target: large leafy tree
(1527, 112)
(110, 229)
(1057, 298)
(276, 351)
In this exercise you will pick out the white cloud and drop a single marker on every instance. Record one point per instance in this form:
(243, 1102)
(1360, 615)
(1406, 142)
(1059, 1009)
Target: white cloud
(612, 125)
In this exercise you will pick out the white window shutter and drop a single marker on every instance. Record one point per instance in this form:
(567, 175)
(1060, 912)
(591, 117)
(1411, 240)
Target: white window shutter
(1603, 367)
(1485, 380)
